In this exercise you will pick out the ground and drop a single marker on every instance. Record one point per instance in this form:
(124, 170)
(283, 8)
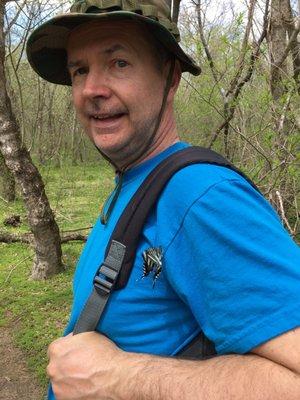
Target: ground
(36, 312)
(16, 382)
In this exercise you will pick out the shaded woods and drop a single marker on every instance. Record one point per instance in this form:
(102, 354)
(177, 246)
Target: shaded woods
(47, 260)
(244, 105)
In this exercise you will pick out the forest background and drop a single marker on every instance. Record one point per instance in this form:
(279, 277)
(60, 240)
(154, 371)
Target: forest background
(245, 105)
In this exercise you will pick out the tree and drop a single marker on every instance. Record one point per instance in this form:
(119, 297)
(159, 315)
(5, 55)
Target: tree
(245, 104)
(7, 182)
(283, 43)
(284, 50)
(40, 216)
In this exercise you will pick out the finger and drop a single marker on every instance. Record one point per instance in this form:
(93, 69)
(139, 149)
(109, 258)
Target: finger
(54, 347)
(50, 370)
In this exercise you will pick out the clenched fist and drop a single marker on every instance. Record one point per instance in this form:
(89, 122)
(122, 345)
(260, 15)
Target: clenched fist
(87, 366)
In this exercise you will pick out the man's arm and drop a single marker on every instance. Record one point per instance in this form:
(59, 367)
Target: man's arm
(271, 372)
(89, 366)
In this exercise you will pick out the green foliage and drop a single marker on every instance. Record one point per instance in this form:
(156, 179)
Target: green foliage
(77, 192)
(37, 311)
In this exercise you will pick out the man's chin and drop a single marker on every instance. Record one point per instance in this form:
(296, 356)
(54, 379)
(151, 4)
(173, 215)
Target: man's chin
(114, 151)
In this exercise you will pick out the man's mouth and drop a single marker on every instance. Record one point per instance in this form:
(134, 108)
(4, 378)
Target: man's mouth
(107, 117)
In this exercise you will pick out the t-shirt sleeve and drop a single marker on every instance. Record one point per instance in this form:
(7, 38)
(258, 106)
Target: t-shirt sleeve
(236, 267)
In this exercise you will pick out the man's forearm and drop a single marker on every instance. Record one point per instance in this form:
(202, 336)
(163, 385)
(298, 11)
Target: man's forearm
(90, 366)
(248, 377)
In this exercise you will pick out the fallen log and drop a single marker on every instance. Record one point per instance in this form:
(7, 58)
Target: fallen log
(15, 238)
(73, 237)
(28, 238)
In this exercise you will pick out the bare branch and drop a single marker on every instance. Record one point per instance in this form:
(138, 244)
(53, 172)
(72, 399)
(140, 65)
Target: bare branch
(78, 229)
(73, 237)
(290, 44)
(229, 107)
(282, 212)
(205, 44)
(175, 10)
(241, 60)
(13, 21)
(15, 266)
(282, 118)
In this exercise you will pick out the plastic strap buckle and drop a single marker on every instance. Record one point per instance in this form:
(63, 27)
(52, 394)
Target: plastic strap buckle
(108, 272)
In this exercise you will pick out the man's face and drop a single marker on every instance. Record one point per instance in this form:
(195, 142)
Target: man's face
(117, 86)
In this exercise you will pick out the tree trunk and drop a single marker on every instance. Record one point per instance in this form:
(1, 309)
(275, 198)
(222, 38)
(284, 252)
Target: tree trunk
(40, 216)
(295, 44)
(175, 10)
(281, 48)
(282, 42)
(7, 182)
(277, 45)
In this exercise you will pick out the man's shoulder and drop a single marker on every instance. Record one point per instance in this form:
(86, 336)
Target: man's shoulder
(213, 190)
(194, 181)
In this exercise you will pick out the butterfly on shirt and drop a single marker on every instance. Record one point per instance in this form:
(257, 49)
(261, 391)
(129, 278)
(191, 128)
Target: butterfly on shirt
(152, 262)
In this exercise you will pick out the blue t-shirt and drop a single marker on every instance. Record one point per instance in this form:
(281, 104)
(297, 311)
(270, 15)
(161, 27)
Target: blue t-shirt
(229, 268)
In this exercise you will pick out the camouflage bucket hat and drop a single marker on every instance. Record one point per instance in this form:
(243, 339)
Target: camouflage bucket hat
(46, 47)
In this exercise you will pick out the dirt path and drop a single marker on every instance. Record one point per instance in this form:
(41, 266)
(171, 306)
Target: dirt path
(16, 382)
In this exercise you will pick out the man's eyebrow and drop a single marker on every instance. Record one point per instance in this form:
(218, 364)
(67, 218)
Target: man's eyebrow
(108, 51)
(114, 48)
(73, 64)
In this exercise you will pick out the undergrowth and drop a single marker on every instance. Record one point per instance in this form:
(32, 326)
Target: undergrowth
(36, 312)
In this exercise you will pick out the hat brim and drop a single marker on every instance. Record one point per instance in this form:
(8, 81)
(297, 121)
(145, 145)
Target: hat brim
(46, 47)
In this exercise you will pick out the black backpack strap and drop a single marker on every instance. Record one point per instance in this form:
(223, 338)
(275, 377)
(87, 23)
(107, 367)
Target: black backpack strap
(133, 218)
(199, 348)
(114, 272)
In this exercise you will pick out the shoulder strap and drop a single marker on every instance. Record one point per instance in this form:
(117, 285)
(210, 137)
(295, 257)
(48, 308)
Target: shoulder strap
(114, 272)
(132, 220)
(200, 348)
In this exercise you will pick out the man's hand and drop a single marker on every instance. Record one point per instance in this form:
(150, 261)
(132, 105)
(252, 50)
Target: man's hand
(84, 367)
(90, 367)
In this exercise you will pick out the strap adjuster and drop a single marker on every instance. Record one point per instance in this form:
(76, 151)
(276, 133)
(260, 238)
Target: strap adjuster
(108, 272)
(105, 283)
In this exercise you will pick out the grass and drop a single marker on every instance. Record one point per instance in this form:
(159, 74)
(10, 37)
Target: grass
(37, 311)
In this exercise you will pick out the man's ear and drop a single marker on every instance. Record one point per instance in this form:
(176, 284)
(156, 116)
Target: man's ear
(175, 80)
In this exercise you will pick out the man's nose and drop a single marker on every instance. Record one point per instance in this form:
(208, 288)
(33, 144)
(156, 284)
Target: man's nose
(96, 85)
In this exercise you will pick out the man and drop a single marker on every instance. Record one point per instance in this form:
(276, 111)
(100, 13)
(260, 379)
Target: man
(228, 267)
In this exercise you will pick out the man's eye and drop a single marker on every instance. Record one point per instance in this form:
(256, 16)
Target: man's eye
(79, 71)
(121, 64)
